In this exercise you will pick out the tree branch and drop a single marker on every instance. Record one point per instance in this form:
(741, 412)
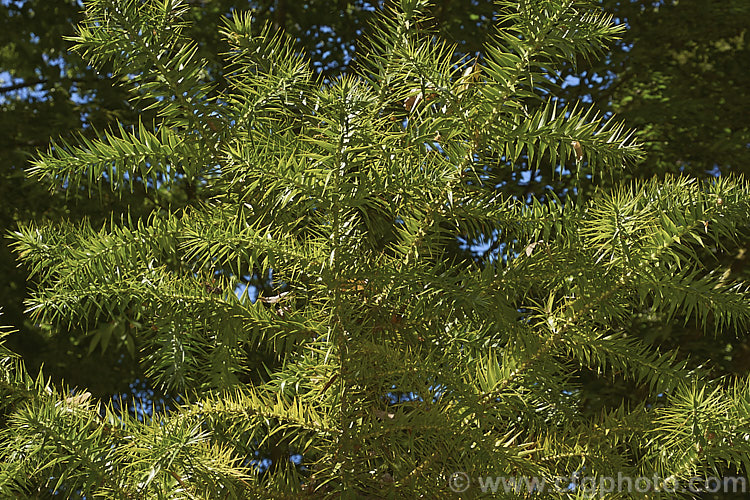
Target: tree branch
(42, 81)
(18, 86)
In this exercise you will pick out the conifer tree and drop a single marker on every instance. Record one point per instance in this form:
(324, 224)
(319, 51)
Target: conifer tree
(381, 365)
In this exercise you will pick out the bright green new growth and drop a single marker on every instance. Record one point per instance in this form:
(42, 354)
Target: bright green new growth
(350, 192)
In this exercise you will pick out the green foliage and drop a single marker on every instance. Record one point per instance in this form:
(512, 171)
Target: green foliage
(380, 357)
(676, 77)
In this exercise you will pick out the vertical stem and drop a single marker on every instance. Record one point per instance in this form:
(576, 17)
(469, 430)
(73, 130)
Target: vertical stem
(338, 330)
